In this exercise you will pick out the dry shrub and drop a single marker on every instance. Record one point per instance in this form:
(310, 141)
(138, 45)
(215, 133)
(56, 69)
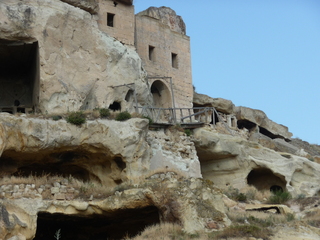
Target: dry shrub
(261, 219)
(167, 231)
(313, 218)
(141, 179)
(31, 179)
(263, 195)
(237, 231)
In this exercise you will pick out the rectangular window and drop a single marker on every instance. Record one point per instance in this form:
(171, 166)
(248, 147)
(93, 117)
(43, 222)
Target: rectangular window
(151, 53)
(110, 19)
(174, 60)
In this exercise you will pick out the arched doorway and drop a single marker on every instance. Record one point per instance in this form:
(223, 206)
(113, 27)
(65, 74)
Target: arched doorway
(161, 95)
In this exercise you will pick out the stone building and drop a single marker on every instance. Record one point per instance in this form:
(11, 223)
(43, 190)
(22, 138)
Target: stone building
(162, 44)
(62, 61)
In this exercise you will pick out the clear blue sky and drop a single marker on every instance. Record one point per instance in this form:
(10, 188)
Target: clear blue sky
(262, 54)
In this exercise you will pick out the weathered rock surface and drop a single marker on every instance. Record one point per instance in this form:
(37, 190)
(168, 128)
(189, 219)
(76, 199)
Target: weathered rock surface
(79, 63)
(259, 118)
(222, 105)
(168, 17)
(193, 203)
(228, 160)
(88, 5)
(90, 151)
(173, 150)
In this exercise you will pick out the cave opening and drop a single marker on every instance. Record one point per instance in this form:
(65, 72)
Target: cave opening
(245, 124)
(19, 80)
(265, 179)
(112, 225)
(268, 133)
(115, 106)
(66, 163)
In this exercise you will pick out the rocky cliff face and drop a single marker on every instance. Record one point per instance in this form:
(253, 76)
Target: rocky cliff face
(79, 64)
(105, 177)
(168, 17)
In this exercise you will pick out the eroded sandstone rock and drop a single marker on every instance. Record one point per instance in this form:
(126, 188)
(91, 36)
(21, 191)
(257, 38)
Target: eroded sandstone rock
(259, 118)
(104, 150)
(222, 105)
(233, 161)
(80, 65)
(168, 17)
(190, 202)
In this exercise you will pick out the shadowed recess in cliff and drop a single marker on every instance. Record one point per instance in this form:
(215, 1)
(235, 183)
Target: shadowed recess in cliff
(76, 163)
(265, 179)
(19, 80)
(111, 225)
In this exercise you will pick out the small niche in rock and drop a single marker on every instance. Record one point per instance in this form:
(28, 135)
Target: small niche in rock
(113, 225)
(115, 106)
(120, 163)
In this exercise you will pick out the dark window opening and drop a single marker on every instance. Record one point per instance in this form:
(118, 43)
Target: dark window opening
(151, 53)
(109, 225)
(115, 4)
(115, 106)
(110, 19)
(19, 79)
(174, 60)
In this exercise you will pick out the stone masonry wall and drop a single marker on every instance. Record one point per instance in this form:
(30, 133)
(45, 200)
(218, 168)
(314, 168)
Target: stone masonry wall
(123, 29)
(151, 31)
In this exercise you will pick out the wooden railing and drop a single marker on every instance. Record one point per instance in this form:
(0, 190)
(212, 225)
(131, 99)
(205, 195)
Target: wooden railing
(180, 115)
(183, 116)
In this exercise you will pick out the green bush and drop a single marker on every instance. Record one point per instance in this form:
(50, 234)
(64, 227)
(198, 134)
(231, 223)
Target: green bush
(123, 116)
(150, 120)
(76, 118)
(234, 194)
(56, 117)
(104, 112)
(279, 197)
(188, 132)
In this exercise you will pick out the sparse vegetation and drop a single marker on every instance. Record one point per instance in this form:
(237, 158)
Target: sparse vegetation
(76, 118)
(188, 132)
(56, 117)
(279, 197)
(235, 194)
(57, 234)
(150, 120)
(104, 112)
(123, 116)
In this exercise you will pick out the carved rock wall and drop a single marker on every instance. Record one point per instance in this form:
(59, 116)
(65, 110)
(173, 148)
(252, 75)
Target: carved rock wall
(78, 63)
